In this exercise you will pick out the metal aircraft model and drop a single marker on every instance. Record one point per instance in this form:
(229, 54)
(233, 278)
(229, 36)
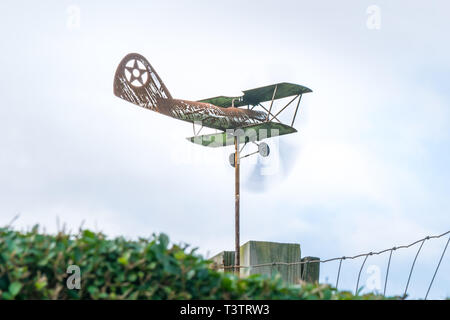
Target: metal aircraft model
(137, 82)
(237, 118)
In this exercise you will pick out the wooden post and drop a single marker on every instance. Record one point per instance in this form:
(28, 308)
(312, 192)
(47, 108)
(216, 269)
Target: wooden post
(237, 259)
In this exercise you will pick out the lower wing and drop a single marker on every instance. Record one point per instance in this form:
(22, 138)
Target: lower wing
(255, 132)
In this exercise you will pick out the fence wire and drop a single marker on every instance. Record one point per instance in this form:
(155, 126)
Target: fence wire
(365, 255)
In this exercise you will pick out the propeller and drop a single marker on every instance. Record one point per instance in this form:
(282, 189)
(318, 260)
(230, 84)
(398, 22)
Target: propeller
(267, 170)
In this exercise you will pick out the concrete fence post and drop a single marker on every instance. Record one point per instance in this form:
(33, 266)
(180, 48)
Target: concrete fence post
(255, 253)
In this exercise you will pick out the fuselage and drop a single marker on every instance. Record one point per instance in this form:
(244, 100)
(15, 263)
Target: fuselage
(209, 115)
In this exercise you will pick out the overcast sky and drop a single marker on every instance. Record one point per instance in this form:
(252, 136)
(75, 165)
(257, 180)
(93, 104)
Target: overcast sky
(367, 170)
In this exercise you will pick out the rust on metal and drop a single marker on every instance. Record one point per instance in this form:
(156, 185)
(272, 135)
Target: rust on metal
(137, 82)
(237, 246)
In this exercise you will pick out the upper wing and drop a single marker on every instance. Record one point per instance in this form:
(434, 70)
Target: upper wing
(258, 95)
(263, 94)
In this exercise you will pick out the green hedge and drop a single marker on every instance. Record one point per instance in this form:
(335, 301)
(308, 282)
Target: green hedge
(34, 266)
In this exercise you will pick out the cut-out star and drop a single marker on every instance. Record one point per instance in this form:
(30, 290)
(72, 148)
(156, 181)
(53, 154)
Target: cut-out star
(136, 73)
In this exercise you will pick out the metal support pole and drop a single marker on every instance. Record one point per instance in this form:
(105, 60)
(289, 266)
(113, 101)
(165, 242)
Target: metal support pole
(237, 254)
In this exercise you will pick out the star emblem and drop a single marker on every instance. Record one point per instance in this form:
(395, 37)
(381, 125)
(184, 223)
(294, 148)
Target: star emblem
(137, 74)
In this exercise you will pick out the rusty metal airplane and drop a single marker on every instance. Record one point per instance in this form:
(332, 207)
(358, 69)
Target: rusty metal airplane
(137, 82)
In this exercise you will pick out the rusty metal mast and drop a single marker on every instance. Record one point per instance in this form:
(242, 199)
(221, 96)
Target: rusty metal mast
(237, 253)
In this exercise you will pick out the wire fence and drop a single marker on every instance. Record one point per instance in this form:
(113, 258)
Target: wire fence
(365, 256)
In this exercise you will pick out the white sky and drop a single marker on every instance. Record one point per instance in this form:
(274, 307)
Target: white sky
(369, 164)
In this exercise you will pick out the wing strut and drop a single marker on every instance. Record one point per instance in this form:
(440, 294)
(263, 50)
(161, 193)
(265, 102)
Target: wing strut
(296, 108)
(274, 117)
(271, 103)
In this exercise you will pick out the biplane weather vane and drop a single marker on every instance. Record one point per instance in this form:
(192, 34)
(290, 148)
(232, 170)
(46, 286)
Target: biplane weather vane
(236, 117)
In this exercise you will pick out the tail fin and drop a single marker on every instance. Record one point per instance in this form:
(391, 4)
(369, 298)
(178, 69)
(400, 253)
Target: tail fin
(136, 81)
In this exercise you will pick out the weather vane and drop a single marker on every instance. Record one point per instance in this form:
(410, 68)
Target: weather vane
(236, 117)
